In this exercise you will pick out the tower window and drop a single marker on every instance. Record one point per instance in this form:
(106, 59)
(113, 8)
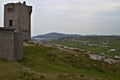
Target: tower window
(10, 22)
(10, 9)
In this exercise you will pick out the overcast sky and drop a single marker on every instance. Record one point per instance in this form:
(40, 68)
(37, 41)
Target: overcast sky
(72, 16)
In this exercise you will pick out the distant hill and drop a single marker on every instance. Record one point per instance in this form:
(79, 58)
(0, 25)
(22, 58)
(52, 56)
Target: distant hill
(54, 35)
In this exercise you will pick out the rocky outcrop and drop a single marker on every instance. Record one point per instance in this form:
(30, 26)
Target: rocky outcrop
(101, 58)
(110, 61)
(96, 57)
(90, 54)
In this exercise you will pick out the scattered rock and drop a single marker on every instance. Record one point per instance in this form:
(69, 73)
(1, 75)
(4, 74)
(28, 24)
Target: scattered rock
(117, 57)
(112, 50)
(27, 69)
(76, 55)
(92, 56)
(96, 57)
(110, 61)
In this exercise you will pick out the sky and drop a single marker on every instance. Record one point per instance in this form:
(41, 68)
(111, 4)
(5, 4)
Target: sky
(86, 17)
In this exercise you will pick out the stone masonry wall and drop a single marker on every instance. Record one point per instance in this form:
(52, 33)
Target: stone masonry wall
(11, 45)
(7, 44)
(20, 14)
(18, 46)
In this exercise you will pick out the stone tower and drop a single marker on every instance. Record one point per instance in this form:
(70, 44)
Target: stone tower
(18, 16)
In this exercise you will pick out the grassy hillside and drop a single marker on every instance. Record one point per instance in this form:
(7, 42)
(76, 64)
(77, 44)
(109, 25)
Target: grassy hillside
(44, 63)
(97, 44)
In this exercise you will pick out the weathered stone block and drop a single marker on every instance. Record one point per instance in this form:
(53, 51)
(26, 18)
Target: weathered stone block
(11, 45)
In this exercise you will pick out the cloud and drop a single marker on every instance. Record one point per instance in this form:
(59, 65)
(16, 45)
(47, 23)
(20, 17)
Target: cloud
(74, 16)
(78, 8)
(80, 16)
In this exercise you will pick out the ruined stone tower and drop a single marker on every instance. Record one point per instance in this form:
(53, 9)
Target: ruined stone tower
(17, 27)
(18, 16)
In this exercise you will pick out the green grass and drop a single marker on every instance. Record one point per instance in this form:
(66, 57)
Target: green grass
(54, 61)
(48, 58)
(13, 71)
(114, 43)
(57, 65)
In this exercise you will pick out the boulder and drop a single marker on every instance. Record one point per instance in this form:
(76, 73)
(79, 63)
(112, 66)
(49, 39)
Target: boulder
(96, 57)
(110, 61)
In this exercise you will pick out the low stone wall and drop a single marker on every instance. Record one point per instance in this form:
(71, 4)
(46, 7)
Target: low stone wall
(7, 44)
(10, 45)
